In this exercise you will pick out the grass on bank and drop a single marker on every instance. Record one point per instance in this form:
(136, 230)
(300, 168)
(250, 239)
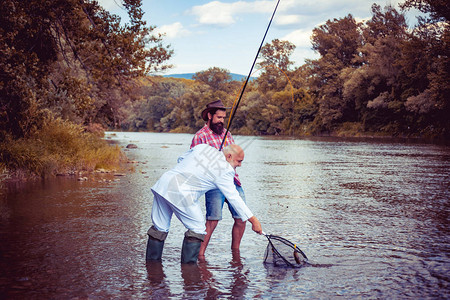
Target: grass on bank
(59, 147)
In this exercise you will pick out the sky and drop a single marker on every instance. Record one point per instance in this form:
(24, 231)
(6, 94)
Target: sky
(227, 34)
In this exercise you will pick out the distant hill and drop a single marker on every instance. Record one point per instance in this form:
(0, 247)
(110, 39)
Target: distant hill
(234, 76)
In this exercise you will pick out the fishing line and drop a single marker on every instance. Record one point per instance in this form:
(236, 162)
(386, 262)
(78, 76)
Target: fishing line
(234, 109)
(279, 250)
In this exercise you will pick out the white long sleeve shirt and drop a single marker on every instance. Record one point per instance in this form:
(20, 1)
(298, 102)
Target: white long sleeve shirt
(199, 170)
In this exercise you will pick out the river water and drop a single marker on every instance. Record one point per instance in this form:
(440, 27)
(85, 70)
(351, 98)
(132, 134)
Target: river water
(372, 217)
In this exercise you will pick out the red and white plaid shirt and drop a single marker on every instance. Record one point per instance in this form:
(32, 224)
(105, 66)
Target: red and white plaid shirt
(207, 136)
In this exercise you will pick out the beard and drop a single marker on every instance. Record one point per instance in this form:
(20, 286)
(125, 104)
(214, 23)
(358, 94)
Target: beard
(217, 127)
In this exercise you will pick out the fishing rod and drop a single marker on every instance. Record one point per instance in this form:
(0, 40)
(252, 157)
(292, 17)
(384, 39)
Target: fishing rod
(234, 109)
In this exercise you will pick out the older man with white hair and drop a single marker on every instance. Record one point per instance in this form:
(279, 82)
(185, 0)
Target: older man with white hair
(199, 170)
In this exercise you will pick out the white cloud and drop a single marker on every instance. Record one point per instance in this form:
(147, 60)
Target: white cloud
(320, 7)
(301, 38)
(300, 54)
(288, 19)
(110, 4)
(307, 13)
(223, 14)
(174, 30)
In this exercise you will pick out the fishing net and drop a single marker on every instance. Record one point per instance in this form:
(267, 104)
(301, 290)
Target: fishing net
(281, 252)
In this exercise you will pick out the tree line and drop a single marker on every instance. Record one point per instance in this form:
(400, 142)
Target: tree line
(72, 60)
(376, 77)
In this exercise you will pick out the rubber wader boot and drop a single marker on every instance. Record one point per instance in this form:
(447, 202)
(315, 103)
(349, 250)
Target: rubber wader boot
(191, 247)
(154, 249)
(155, 244)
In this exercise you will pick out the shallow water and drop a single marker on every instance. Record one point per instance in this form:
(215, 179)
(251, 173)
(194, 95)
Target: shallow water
(372, 217)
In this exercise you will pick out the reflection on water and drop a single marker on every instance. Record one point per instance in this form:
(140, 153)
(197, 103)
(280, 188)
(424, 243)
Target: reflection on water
(372, 217)
(198, 281)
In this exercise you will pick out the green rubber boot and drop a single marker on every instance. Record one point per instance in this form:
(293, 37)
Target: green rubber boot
(155, 244)
(154, 249)
(191, 247)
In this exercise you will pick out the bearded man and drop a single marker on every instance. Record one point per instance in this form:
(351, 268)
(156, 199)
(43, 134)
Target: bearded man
(212, 134)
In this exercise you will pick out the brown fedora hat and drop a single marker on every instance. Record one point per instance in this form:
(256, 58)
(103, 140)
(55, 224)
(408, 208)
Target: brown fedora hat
(211, 106)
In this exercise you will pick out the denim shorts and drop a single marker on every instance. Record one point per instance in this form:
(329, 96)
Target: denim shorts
(214, 200)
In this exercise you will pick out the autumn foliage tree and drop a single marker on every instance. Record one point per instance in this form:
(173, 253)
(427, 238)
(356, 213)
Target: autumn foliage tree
(426, 59)
(374, 77)
(382, 75)
(71, 59)
(374, 86)
(338, 43)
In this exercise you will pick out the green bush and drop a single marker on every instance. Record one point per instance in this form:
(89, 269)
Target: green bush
(58, 147)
